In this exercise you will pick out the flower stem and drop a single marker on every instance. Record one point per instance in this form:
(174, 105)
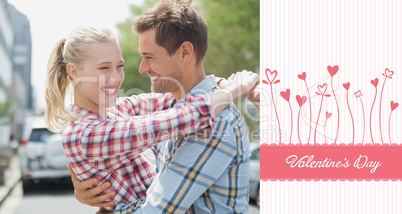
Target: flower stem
(364, 120)
(389, 127)
(298, 118)
(325, 136)
(382, 90)
(337, 107)
(316, 124)
(291, 123)
(371, 112)
(310, 119)
(277, 117)
(351, 116)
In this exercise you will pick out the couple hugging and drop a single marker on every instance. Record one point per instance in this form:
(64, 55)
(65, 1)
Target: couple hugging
(182, 149)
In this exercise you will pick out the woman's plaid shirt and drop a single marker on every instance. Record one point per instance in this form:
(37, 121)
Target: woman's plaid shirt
(110, 149)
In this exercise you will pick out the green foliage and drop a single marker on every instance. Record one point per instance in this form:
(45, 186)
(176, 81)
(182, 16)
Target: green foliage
(233, 44)
(134, 83)
(234, 36)
(6, 112)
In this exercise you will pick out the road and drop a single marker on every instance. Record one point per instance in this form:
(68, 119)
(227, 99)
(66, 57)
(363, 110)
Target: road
(45, 198)
(49, 198)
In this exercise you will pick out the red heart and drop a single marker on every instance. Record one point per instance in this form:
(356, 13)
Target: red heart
(374, 82)
(394, 105)
(271, 74)
(358, 93)
(388, 73)
(301, 100)
(286, 94)
(332, 70)
(329, 114)
(302, 76)
(322, 87)
(346, 85)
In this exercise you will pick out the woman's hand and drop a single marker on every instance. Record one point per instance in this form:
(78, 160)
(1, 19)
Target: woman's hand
(91, 196)
(243, 84)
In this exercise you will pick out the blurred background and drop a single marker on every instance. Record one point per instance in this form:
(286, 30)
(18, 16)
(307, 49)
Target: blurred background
(28, 32)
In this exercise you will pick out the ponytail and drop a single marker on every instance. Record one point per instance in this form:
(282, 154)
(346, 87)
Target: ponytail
(56, 88)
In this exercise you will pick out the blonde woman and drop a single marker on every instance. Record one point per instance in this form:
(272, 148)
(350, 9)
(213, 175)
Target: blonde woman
(104, 136)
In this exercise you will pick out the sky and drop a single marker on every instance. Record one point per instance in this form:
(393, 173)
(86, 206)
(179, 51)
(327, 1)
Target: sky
(51, 20)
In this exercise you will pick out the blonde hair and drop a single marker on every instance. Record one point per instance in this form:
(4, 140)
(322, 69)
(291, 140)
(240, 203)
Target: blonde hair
(58, 83)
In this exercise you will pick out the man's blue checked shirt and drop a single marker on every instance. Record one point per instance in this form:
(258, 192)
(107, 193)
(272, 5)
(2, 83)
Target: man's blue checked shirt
(201, 175)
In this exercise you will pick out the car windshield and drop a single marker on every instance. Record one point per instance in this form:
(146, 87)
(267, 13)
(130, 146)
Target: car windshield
(255, 154)
(40, 134)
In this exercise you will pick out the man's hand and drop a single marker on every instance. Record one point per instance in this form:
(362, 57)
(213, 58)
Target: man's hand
(91, 196)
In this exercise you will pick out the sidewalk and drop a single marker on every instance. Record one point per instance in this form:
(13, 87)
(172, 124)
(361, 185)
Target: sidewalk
(12, 176)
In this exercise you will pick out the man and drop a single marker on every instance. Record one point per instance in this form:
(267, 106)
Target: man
(202, 175)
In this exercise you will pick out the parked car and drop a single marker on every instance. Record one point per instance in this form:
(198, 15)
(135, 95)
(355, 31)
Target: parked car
(254, 184)
(41, 154)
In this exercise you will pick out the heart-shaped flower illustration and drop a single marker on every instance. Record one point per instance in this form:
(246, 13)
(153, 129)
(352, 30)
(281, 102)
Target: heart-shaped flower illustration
(346, 85)
(271, 76)
(322, 89)
(388, 73)
(328, 114)
(358, 94)
(394, 105)
(302, 76)
(301, 100)
(286, 94)
(374, 82)
(332, 70)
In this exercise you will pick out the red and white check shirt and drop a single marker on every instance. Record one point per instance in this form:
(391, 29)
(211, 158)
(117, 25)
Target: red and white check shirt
(110, 149)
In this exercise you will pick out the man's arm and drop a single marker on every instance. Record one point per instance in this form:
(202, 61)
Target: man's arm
(91, 196)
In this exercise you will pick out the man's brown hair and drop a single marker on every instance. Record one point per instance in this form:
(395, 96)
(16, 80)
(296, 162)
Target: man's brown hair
(175, 23)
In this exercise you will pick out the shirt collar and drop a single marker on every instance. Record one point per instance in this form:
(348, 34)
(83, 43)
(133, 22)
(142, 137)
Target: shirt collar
(89, 114)
(205, 86)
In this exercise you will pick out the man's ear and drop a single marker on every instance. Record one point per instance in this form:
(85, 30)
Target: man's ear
(187, 49)
(72, 71)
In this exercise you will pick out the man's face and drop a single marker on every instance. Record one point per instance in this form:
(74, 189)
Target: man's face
(164, 70)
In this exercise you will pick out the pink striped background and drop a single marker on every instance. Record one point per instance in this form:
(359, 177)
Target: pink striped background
(362, 37)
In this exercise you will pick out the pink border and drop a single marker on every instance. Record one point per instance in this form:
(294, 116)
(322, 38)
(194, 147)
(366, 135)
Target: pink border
(385, 154)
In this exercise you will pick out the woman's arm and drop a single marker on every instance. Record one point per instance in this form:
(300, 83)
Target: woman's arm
(253, 96)
(146, 103)
(112, 137)
(238, 85)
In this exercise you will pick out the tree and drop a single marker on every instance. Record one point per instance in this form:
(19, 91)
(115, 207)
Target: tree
(234, 36)
(234, 42)
(134, 83)
(6, 112)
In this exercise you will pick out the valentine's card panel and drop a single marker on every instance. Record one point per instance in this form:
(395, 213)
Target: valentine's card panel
(331, 75)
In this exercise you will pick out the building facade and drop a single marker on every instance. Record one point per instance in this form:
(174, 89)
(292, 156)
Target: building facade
(21, 92)
(6, 46)
(15, 71)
